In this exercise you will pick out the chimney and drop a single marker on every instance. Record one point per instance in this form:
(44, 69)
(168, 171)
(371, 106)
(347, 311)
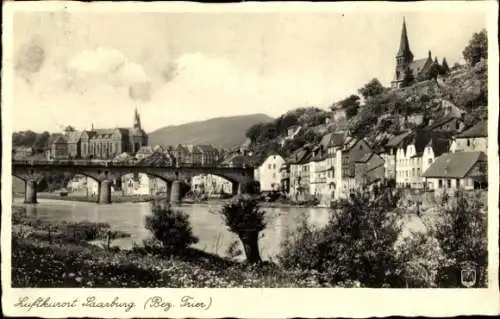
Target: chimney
(430, 55)
(92, 129)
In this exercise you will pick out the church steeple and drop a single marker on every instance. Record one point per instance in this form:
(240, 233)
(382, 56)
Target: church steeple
(137, 119)
(404, 44)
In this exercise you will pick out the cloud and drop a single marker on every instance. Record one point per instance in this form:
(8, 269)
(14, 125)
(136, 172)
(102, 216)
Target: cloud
(103, 66)
(30, 58)
(209, 87)
(102, 86)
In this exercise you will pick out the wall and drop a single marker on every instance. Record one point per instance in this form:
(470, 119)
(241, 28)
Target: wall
(470, 144)
(464, 183)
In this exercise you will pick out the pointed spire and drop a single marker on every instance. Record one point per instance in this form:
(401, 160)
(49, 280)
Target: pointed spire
(137, 119)
(404, 45)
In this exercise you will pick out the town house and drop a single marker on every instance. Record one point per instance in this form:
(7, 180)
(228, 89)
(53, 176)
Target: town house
(472, 139)
(268, 173)
(369, 169)
(454, 171)
(415, 154)
(294, 162)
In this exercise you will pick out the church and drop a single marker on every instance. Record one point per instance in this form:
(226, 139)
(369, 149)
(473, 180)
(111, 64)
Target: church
(98, 143)
(409, 70)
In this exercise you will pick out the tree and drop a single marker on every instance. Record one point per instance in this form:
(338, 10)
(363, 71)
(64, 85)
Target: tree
(371, 89)
(463, 237)
(408, 78)
(170, 227)
(356, 244)
(351, 105)
(477, 48)
(244, 218)
(69, 128)
(41, 141)
(445, 67)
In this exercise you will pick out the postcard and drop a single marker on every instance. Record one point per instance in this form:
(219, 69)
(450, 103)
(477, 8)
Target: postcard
(311, 159)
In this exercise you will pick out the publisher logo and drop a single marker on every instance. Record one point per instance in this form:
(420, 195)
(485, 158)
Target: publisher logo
(468, 274)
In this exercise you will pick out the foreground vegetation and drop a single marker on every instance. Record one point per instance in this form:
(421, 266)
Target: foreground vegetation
(361, 246)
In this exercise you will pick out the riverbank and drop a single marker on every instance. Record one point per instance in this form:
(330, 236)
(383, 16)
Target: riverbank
(42, 260)
(118, 198)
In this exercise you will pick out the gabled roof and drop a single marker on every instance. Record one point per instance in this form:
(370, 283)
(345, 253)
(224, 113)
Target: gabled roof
(58, 139)
(418, 66)
(74, 137)
(297, 156)
(396, 140)
(422, 138)
(443, 121)
(454, 165)
(440, 145)
(337, 139)
(365, 158)
(480, 129)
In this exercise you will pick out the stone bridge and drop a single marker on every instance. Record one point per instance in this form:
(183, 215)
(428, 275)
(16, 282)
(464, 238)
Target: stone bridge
(105, 172)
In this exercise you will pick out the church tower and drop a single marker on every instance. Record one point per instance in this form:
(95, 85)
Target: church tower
(137, 120)
(138, 137)
(404, 58)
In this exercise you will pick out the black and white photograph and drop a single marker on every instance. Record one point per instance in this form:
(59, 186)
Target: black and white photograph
(249, 149)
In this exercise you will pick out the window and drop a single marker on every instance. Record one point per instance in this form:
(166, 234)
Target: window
(413, 172)
(429, 161)
(468, 142)
(449, 183)
(418, 171)
(274, 166)
(440, 183)
(274, 175)
(269, 166)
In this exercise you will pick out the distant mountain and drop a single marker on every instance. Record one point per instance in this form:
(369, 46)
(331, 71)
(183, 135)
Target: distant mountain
(220, 132)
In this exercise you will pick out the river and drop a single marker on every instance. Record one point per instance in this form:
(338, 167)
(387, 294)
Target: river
(207, 225)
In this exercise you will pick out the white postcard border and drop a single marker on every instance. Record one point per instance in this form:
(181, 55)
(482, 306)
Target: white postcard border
(266, 302)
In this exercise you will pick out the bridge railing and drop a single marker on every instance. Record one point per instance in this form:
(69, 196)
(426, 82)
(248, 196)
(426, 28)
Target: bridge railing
(110, 163)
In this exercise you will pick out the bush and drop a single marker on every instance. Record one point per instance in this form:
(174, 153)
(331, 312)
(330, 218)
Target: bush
(463, 237)
(356, 244)
(420, 258)
(244, 218)
(171, 228)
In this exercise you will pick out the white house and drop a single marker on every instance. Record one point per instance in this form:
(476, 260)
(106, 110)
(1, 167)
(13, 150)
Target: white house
(471, 140)
(268, 173)
(416, 153)
(460, 170)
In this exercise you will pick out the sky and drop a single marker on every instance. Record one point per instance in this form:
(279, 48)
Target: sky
(91, 68)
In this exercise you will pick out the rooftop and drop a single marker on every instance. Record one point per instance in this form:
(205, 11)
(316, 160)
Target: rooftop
(454, 165)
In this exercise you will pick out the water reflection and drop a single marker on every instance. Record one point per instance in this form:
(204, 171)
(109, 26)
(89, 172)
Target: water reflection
(208, 226)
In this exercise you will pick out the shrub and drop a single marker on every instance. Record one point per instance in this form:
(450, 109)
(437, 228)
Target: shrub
(356, 244)
(171, 228)
(244, 218)
(463, 237)
(420, 259)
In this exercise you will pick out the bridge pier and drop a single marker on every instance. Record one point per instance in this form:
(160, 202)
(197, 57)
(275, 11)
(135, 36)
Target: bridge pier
(175, 192)
(238, 188)
(105, 192)
(30, 192)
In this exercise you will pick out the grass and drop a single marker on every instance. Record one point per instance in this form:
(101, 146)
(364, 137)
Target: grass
(65, 260)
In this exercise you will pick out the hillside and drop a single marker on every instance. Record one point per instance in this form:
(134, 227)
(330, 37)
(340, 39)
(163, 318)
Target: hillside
(466, 87)
(220, 132)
